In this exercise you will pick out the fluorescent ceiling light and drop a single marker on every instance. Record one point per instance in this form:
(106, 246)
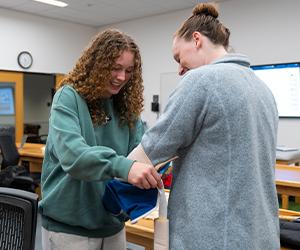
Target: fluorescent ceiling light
(53, 2)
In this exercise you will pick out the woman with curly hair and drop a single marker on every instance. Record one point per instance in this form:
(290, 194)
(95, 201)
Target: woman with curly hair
(94, 124)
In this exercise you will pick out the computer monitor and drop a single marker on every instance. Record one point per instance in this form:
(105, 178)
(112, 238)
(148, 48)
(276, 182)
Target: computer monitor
(283, 79)
(7, 101)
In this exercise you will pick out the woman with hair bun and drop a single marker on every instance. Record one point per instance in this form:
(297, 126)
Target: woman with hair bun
(94, 124)
(222, 123)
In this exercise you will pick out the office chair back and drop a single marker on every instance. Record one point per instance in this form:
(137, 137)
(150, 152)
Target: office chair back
(18, 219)
(9, 151)
(7, 130)
(13, 175)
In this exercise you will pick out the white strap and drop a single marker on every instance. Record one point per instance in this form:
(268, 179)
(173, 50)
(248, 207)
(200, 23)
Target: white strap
(162, 213)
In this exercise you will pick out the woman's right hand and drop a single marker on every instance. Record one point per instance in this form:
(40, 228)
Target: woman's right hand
(144, 176)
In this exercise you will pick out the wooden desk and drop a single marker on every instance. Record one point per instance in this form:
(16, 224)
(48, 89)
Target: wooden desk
(141, 233)
(32, 153)
(295, 162)
(287, 182)
(288, 214)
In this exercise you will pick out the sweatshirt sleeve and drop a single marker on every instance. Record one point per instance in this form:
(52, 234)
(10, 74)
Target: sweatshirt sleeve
(180, 122)
(76, 157)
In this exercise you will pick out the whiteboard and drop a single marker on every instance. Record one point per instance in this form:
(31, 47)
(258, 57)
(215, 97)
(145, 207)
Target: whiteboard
(283, 79)
(168, 82)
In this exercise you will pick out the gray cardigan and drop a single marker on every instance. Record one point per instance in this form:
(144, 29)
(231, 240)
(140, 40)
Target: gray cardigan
(222, 123)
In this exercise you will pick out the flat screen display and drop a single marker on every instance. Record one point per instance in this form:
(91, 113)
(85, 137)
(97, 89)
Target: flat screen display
(284, 81)
(7, 103)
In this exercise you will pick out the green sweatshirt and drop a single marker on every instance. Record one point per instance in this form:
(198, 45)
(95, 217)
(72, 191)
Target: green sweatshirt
(79, 159)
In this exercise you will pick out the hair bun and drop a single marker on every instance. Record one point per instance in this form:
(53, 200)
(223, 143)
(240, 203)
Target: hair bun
(207, 9)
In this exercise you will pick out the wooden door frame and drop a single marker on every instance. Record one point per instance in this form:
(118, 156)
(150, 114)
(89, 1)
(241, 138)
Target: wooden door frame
(58, 78)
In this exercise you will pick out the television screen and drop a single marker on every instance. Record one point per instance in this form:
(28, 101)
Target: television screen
(284, 81)
(7, 104)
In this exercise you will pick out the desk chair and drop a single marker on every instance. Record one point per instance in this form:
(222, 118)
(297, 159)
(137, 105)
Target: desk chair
(40, 139)
(10, 154)
(18, 219)
(10, 168)
(289, 229)
(32, 131)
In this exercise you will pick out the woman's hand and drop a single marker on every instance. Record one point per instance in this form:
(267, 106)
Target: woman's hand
(144, 176)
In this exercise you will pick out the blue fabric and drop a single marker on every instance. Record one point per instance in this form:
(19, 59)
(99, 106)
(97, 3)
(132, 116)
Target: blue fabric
(126, 201)
(164, 168)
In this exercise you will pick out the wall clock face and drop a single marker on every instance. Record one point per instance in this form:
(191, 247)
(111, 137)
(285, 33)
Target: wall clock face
(25, 59)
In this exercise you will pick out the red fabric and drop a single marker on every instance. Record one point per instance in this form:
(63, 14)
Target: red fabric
(167, 180)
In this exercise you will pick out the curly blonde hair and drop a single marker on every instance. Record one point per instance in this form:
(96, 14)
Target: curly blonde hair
(92, 73)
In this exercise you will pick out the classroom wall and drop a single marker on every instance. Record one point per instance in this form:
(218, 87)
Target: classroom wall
(265, 30)
(55, 45)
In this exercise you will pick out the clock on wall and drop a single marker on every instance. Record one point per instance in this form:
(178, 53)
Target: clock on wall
(25, 59)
